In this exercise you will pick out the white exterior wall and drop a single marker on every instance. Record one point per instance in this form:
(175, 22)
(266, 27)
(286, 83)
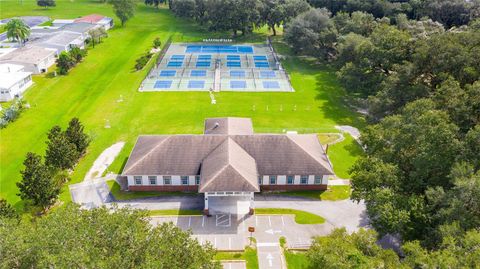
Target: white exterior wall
(175, 180)
(16, 90)
(282, 180)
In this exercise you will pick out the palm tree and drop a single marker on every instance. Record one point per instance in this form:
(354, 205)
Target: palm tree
(17, 30)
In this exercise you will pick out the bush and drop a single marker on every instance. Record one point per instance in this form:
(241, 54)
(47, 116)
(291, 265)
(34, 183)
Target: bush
(157, 43)
(142, 61)
(64, 63)
(11, 113)
(77, 54)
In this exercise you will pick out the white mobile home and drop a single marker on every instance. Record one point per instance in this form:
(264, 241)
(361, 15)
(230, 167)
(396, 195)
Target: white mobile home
(13, 81)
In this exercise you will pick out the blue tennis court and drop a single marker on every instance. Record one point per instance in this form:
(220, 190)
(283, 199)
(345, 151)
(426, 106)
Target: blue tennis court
(271, 85)
(267, 74)
(262, 65)
(203, 64)
(234, 64)
(174, 64)
(168, 73)
(238, 84)
(206, 57)
(233, 57)
(198, 73)
(177, 57)
(196, 84)
(163, 84)
(259, 58)
(219, 49)
(237, 73)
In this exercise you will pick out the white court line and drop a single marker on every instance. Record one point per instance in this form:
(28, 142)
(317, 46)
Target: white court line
(269, 221)
(283, 222)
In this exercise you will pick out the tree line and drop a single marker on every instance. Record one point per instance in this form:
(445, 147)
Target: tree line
(70, 237)
(360, 250)
(239, 15)
(448, 12)
(420, 83)
(42, 180)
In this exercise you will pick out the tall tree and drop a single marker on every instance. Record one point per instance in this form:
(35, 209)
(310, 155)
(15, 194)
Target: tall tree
(407, 154)
(76, 135)
(46, 3)
(100, 238)
(6, 210)
(60, 153)
(312, 33)
(17, 30)
(357, 250)
(154, 3)
(37, 184)
(124, 9)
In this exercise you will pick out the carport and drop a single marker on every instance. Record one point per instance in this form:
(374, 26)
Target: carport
(229, 180)
(229, 202)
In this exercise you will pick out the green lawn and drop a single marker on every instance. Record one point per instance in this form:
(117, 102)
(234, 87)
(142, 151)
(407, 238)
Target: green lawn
(333, 193)
(249, 256)
(91, 90)
(301, 217)
(175, 212)
(128, 195)
(296, 259)
(343, 155)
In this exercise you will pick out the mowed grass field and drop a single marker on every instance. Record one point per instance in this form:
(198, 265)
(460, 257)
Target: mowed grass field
(91, 90)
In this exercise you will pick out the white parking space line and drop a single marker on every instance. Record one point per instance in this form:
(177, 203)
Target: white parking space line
(215, 241)
(256, 221)
(189, 221)
(203, 221)
(269, 221)
(229, 243)
(267, 244)
(283, 222)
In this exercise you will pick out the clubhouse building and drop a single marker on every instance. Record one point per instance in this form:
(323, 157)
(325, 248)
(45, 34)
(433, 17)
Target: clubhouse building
(229, 160)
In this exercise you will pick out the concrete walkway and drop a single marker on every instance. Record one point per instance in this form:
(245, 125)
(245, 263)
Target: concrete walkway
(354, 132)
(104, 160)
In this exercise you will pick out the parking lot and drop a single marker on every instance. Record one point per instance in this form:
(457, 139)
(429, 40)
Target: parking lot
(230, 232)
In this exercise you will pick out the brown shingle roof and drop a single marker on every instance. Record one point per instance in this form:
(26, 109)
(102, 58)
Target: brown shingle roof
(229, 168)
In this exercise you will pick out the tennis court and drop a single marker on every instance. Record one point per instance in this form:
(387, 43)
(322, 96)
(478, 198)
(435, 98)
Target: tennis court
(223, 67)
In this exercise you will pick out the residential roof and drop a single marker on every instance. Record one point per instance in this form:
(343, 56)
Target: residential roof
(267, 154)
(229, 168)
(92, 18)
(10, 68)
(61, 38)
(79, 27)
(7, 80)
(28, 54)
(228, 126)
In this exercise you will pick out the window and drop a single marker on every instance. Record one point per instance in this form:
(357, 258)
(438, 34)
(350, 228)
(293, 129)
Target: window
(184, 180)
(138, 180)
(318, 180)
(260, 180)
(290, 180)
(303, 179)
(152, 180)
(167, 180)
(197, 180)
(273, 180)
